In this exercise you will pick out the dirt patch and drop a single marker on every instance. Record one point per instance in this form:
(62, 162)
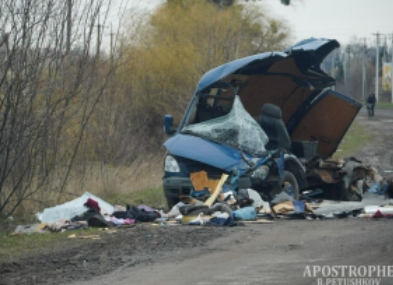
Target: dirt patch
(143, 244)
(379, 151)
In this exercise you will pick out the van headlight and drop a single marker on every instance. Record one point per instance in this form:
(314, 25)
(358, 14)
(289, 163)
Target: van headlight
(261, 172)
(171, 164)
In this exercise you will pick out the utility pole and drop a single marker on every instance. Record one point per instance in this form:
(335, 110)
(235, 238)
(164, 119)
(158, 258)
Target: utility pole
(377, 68)
(391, 69)
(344, 60)
(364, 70)
(349, 91)
(69, 26)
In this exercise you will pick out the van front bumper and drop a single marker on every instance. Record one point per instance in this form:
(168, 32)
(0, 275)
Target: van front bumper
(175, 187)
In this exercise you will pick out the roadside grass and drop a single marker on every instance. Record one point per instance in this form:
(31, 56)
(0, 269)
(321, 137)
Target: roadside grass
(12, 247)
(139, 183)
(385, 105)
(154, 198)
(353, 140)
(105, 181)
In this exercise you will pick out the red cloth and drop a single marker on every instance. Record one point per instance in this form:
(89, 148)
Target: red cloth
(378, 215)
(92, 204)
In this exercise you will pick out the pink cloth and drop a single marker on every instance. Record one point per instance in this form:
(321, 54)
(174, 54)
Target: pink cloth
(120, 222)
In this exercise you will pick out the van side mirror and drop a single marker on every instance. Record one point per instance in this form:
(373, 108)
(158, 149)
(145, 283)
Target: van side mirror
(168, 127)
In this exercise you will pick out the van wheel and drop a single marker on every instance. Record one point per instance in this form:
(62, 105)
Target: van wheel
(289, 185)
(171, 202)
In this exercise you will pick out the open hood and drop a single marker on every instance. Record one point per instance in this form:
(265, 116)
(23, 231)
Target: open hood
(312, 51)
(286, 79)
(315, 50)
(292, 80)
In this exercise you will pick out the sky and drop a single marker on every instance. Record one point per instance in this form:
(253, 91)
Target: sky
(337, 19)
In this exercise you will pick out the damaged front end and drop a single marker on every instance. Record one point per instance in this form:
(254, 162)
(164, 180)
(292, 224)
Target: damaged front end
(223, 131)
(232, 144)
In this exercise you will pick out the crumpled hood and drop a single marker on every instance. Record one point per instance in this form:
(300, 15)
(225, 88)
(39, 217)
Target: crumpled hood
(287, 79)
(207, 152)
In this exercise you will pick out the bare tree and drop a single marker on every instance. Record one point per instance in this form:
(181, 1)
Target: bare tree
(47, 92)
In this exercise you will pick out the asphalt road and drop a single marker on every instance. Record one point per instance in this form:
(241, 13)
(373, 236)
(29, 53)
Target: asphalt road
(280, 253)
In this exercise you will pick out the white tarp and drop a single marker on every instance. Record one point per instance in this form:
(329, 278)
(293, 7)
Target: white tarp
(72, 208)
(369, 199)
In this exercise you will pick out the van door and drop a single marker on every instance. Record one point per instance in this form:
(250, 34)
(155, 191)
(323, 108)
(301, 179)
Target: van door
(326, 120)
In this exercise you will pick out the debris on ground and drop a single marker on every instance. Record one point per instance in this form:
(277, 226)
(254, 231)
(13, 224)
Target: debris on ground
(215, 203)
(73, 208)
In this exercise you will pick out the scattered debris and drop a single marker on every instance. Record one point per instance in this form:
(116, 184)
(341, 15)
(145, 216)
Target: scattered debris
(84, 237)
(225, 206)
(29, 229)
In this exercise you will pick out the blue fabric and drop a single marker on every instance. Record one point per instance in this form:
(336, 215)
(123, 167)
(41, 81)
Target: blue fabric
(235, 178)
(379, 189)
(222, 222)
(299, 206)
(198, 194)
(245, 214)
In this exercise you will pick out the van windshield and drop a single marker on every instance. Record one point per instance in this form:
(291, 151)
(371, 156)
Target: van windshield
(231, 125)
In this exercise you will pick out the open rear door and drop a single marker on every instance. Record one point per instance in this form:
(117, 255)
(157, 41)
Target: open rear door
(326, 120)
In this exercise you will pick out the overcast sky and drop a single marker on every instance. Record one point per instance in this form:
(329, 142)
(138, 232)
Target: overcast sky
(338, 19)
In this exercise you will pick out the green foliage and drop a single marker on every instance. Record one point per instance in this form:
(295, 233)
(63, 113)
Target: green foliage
(224, 3)
(181, 41)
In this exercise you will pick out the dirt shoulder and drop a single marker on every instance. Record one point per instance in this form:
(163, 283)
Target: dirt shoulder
(124, 248)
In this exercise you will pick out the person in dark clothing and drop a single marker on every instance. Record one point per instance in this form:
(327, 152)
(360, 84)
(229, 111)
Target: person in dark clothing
(371, 100)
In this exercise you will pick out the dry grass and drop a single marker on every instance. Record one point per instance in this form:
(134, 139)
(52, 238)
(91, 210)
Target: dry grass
(140, 182)
(353, 140)
(145, 173)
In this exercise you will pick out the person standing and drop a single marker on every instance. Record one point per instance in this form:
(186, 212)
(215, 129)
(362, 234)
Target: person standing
(371, 100)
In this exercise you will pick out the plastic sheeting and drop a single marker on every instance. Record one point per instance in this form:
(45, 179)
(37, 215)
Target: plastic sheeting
(237, 129)
(339, 207)
(71, 209)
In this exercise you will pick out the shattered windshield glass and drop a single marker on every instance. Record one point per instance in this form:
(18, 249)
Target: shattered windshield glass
(237, 129)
